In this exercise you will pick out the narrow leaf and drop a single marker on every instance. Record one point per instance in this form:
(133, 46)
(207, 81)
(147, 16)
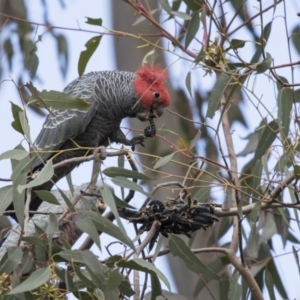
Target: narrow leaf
(235, 44)
(217, 94)
(97, 22)
(265, 64)
(179, 248)
(92, 262)
(57, 100)
(85, 55)
(114, 280)
(192, 29)
(267, 138)
(114, 171)
(36, 279)
(104, 225)
(126, 289)
(52, 226)
(17, 154)
(25, 125)
(162, 161)
(128, 184)
(43, 176)
(47, 197)
(16, 124)
(11, 260)
(270, 284)
(166, 6)
(144, 266)
(181, 15)
(6, 193)
(235, 291)
(285, 103)
(188, 83)
(86, 225)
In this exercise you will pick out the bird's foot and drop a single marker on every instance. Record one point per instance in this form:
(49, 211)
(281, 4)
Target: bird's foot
(138, 140)
(100, 153)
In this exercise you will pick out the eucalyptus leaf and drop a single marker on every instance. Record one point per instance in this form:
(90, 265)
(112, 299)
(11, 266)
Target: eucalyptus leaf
(162, 161)
(43, 176)
(35, 279)
(91, 46)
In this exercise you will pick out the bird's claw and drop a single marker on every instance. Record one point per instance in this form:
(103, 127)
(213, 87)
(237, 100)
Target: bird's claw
(100, 153)
(138, 140)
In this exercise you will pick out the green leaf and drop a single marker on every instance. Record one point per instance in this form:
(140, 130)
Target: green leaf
(141, 265)
(270, 285)
(265, 64)
(295, 37)
(179, 248)
(64, 276)
(181, 15)
(91, 46)
(235, 44)
(194, 5)
(285, 106)
(47, 197)
(67, 201)
(114, 280)
(217, 94)
(256, 180)
(264, 37)
(71, 255)
(110, 200)
(11, 260)
(192, 29)
(296, 172)
(16, 124)
(85, 278)
(155, 287)
(6, 193)
(235, 291)
(52, 225)
(125, 288)
(277, 279)
(166, 6)
(188, 83)
(92, 263)
(162, 161)
(9, 51)
(128, 184)
(24, 125)
(97, 22)
(56, 100)
(104, 225)
(35, 279)
(114, 171)
(43, 176)
(17, 154)
(267, 138)
(32, 62)
(86, 225)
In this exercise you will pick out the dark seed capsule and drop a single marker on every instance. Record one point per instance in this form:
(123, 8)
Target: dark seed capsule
(150, 130)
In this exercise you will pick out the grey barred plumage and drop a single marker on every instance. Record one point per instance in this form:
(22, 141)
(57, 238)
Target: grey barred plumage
(114, 95)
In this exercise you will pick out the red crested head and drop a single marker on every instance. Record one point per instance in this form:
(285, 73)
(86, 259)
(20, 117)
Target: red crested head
(149, 85)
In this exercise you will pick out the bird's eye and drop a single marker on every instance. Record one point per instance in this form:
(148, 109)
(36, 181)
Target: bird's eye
(156, 95)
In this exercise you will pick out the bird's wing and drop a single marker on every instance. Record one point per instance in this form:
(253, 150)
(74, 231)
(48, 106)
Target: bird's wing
(62, 125)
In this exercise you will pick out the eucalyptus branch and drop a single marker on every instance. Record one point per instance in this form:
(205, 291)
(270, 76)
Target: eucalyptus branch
(87, 158)
(26, 210)
(232, 173)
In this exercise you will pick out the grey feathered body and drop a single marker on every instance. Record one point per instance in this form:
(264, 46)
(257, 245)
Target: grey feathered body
(112, 98)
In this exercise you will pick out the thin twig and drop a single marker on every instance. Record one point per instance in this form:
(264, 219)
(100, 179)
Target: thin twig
(26, 210)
